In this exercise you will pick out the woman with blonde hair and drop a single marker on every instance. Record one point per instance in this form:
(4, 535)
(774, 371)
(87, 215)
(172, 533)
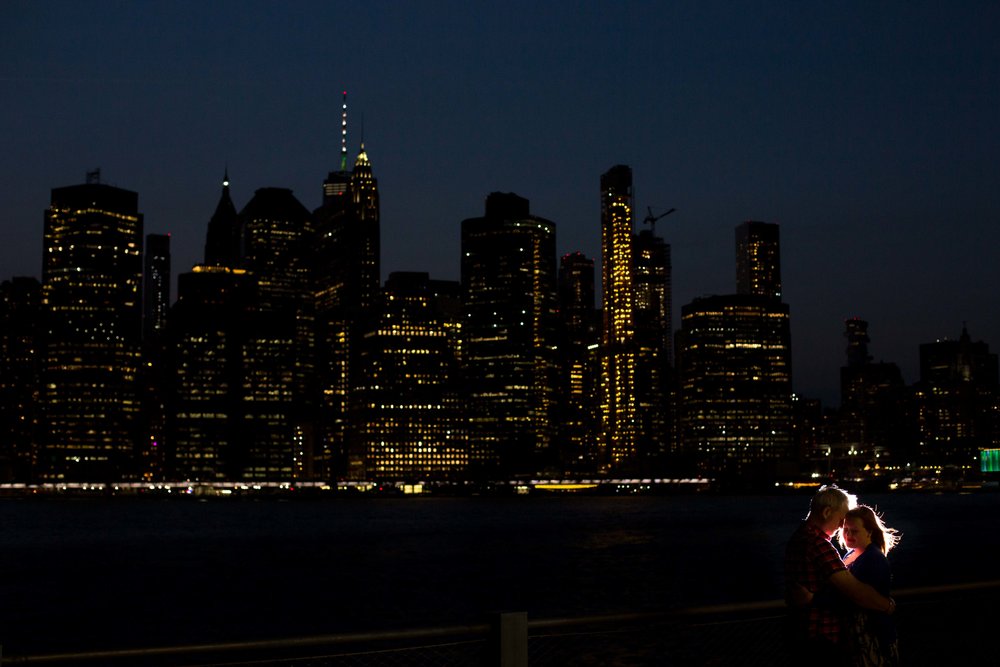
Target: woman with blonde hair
(871, 634)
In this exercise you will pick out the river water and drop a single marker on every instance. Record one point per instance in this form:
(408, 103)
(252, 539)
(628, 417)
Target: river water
(119, 572)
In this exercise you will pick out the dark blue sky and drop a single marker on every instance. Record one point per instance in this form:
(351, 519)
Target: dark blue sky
(867, 130)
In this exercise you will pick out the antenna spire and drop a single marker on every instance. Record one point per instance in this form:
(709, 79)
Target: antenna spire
(343, 136)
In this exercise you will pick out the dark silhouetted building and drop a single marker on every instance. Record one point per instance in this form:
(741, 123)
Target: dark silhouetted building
(152, 375)
(654, 343)
(957, 402)
(758, 259)
(618, 349)
(21, 346)
(210, 426)
(156, 285)
(509, 326)
(91, 277)
(224, 238)
(409, 410)
(872, 430)
(579, 365)
(873, 401)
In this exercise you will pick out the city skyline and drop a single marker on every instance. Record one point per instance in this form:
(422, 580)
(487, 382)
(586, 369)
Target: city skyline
(867, 134)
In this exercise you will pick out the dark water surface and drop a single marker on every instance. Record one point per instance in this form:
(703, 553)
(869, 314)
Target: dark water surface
(119, 572)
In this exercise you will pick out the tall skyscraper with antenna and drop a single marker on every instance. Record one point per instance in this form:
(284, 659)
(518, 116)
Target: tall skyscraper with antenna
(348, 237)
(336, 182)
(346, 279)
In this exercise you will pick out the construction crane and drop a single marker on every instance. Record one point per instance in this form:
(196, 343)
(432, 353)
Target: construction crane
(651, 219)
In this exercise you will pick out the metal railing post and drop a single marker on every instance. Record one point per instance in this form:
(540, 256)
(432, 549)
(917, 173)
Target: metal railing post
(512, 636)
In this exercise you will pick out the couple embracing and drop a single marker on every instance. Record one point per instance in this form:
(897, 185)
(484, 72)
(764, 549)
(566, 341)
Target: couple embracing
(839, 607)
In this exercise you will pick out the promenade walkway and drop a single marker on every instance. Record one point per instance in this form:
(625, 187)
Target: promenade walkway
(938, 625)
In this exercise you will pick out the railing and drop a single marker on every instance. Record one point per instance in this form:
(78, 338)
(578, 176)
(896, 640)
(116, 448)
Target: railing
(746, 634)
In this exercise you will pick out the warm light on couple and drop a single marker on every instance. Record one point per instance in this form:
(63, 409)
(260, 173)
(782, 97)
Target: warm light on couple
(840, 611)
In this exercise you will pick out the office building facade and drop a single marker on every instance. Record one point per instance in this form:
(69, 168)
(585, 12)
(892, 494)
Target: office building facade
(278, 356)
(509, 325)
(91, 281)
(409, 412)
(735, 379)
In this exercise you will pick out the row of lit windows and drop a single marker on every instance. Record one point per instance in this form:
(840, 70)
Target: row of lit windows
(56, 211)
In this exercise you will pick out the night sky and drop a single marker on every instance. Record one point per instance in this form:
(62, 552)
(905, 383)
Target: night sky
(868, 131)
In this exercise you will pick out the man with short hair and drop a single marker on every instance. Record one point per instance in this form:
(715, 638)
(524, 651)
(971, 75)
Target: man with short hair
(813, 567)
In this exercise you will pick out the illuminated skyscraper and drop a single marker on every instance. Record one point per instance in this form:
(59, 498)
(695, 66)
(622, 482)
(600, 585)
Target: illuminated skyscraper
(735, 376)
(367, 239)
(278, 358)
(277, 241)
(348, 237)
(91, 277)
(346, 286)
(618, 380)
(653, 296)
(758, 259)
(509, 320)
(734, 369)
(409, 404)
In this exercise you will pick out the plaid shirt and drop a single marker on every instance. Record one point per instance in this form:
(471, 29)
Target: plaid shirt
(810, 561)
